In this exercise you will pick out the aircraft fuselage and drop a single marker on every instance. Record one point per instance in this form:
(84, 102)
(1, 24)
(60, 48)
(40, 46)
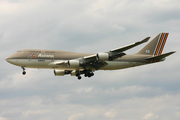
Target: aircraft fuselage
(32, 58)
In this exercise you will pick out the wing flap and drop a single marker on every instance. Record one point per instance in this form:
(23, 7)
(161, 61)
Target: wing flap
(58, 63)
(93, 63)
(90, 57)
(96, 64)
(62, 63)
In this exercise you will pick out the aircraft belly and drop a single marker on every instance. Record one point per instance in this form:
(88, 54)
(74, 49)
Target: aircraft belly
(29, 63)
(50, 64)
(33, 63)
(114, 65)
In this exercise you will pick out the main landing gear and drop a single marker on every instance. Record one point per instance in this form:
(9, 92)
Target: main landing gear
(87, 73)
(24, 72)
(78, 76)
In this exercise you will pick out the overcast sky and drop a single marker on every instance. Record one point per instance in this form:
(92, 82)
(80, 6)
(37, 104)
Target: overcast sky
(148, 92)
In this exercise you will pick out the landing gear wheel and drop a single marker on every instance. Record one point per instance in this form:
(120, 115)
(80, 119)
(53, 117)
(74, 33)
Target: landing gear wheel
(24, 72)
(79, 77)
(92, 74)
(88, 73)
(85, 75)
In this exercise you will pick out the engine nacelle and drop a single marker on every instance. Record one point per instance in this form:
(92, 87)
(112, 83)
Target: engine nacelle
(59, 72)
(73, 63)
(73, 73)
(102, 56)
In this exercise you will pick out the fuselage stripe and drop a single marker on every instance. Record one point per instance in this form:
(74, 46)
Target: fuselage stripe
(159, 44)
(163, 36)
(163, 44)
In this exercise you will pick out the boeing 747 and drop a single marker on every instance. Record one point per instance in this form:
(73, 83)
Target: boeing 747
(76, 64)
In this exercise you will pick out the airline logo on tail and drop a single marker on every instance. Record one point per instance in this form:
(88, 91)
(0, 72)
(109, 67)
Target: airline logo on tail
(160, 45)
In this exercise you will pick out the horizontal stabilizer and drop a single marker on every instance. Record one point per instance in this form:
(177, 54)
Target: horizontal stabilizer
(160, 56)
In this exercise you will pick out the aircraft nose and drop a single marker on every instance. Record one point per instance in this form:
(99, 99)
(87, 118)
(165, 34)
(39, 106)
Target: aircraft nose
(7, 59)
(10, 59)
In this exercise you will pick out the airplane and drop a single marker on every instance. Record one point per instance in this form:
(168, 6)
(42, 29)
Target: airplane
(76, 64)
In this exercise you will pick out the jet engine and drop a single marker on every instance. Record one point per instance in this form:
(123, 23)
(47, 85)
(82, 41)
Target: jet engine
(73, 73)
(73, 63)
(59, 72)
(102, 56)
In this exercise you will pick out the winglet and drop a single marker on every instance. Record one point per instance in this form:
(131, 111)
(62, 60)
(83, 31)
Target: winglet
(143, 41)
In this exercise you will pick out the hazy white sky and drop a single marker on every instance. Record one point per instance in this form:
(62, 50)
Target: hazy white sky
(149, 92)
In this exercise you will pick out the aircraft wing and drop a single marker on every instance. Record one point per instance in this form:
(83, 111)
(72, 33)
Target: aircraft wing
(95, 65)
(97, 61)
(88, 62)
(92, 62)
(129, 46)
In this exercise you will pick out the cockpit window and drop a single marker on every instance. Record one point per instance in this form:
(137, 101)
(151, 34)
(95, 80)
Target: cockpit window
(19, 51)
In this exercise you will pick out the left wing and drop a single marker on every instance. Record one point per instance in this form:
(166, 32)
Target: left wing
(160, 56)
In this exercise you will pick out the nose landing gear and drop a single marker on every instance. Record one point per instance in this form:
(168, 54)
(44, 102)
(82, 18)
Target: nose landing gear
(24, 72)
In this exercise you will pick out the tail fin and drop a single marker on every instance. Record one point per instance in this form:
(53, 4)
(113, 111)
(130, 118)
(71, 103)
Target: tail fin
(155, 46)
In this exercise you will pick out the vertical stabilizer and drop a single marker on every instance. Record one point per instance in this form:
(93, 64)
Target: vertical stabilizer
(155, 46)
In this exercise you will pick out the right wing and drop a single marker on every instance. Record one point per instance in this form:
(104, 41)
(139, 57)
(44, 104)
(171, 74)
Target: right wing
(118, 52)
(122, 49)
(97, 61)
